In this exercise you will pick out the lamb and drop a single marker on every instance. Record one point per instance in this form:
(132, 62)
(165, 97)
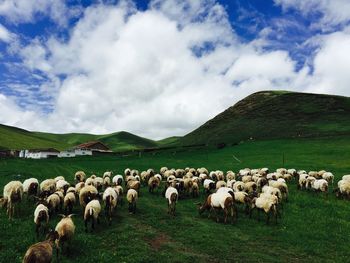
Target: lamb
(92, 212)
(41, 252)
(47, 187)
(320, 185)
(221, 200)
(68, 202)
(87, 194)
(41, 218)
(172, 196)
(132, 197)
(31, 187)
(79, 176)
(110, 198)
(117, 180)
(208, 185)
(65, 229)
(13, 193)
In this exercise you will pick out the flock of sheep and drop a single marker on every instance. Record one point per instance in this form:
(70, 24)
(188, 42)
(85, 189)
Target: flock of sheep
(254, 189)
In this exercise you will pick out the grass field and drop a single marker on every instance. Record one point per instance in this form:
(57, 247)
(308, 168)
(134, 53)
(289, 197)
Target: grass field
(313, 228)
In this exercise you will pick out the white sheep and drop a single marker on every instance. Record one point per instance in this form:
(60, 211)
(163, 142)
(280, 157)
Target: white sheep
(320, 185)
(68, 202)
(117, 179)
(13, 193)
(62, 185)
(41, 218)
(238, 186)
(79, 176)
(110, 198)
(171, 195)
(343, 189)
(92, 212)
(132, 197)
(48, 187)
(31, 187)
(268, 204)
(53, 203)
(328, 176)
(208, 185)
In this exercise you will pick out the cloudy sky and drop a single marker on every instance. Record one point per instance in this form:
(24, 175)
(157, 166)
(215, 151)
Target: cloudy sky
(162, 67)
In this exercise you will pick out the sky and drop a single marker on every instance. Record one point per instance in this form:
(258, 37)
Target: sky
(159, 68)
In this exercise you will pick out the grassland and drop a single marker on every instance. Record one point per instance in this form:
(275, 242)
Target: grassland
(313, 228)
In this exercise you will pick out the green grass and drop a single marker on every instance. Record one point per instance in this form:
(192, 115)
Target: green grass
(313, 228)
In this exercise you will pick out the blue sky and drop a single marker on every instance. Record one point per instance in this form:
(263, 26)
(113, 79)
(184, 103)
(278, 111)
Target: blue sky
(103, 66)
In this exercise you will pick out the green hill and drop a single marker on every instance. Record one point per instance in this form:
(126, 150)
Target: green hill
(15, 138)
(275, 114)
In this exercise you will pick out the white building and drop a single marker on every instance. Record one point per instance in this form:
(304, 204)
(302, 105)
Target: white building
(82, 152)
(41, 153)
(67, 153)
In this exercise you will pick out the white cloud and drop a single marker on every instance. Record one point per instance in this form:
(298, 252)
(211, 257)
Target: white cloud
(124, 69)
(19, 11)
(5, 35)
(334, 12)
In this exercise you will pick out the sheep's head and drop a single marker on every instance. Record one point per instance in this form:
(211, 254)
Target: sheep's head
(52, 235)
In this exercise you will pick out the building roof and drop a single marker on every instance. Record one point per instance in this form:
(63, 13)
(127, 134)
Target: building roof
(52, 150)
(90, 145)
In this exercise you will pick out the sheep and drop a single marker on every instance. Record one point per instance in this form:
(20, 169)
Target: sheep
(163, 170)
(153, 183)
(267, 203)
(119, 190)
(179, 173)
(90, 181)
(132, 197)
(282, 186)
(309, 181)
(98, 183)
(188, 183)
(302, 180)
(129, 178)
(264, 171)
(243, 198)
(13, 193)
(281, 171)
(271, 176)
(159, 177)
(208, 185)
(53, 202)
(170, 178)
(127, 171)
(31, 187)
(79, 176)
(68, 202)
(62, 185)
(230, 183)
(292, 172)
(65, 229)
(230, 176)
(243, 172)
(320, 185)
(41, 217)
(195, 189)
(151, 172)
(87, 194)
(250, 187)
(220, 184)
(106, 182)
(221, 200)
(47, 187)
(203, 176)
(107, 174)
(329, 177)
(343, 189)
(110, 198)
(61, 196)
(202, 170)
(41, 252)
(92, 212)
(79, 186)
(71, 190)
(117, 179)
(346, 177)
(238, 186)
(272, 191)
(261, 182)
(172, 196)
(133, 185)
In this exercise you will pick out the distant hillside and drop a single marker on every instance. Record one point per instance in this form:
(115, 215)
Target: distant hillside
(275, 114)
(15, 138)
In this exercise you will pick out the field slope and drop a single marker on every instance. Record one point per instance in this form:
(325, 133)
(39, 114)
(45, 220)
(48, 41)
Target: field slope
(275, 114)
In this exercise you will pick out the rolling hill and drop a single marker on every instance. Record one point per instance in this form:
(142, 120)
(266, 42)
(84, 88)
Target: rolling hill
(273, 115)
(15, 138)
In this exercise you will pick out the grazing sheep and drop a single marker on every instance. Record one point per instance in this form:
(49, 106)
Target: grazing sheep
(41, 218)
(250, 187)
(47, 187)
(41, 252)
(153, 183)
(272, 191)
(92, 212)
(132, 197)
(172, 196)
(261, 182)
(208, 185)
(203, 176)
(243, 198)
(282, 186)
(117, 180)
(281, 171)
(309, 181)
(71, 190)
(302, 180)
(13, 193)
(230, 183)
(90, 181)
(320, 185)
(31, 187)
(343, 189)
(110, 198)
(221, 200)
(98, 183)
(170, 178)
(220, 184)
(329, 177)
(188, 183)
(266, 203)
(53, 203)
(65, 229)
(134, 185)
(68, 202)
(238, 186)
(202, 170)
(62, 185)
(79, 176)
(87, 194)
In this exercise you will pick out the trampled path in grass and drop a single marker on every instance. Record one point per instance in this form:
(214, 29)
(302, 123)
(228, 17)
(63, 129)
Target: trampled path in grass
(313, 228)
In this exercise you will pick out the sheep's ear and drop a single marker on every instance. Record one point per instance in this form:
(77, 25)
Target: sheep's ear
(70, 216)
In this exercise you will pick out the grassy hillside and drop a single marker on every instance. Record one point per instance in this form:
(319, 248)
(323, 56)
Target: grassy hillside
(15, 138)
(276, 114)
(313, 228)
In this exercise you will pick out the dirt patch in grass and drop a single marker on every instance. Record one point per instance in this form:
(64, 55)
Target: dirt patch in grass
(158, 241)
